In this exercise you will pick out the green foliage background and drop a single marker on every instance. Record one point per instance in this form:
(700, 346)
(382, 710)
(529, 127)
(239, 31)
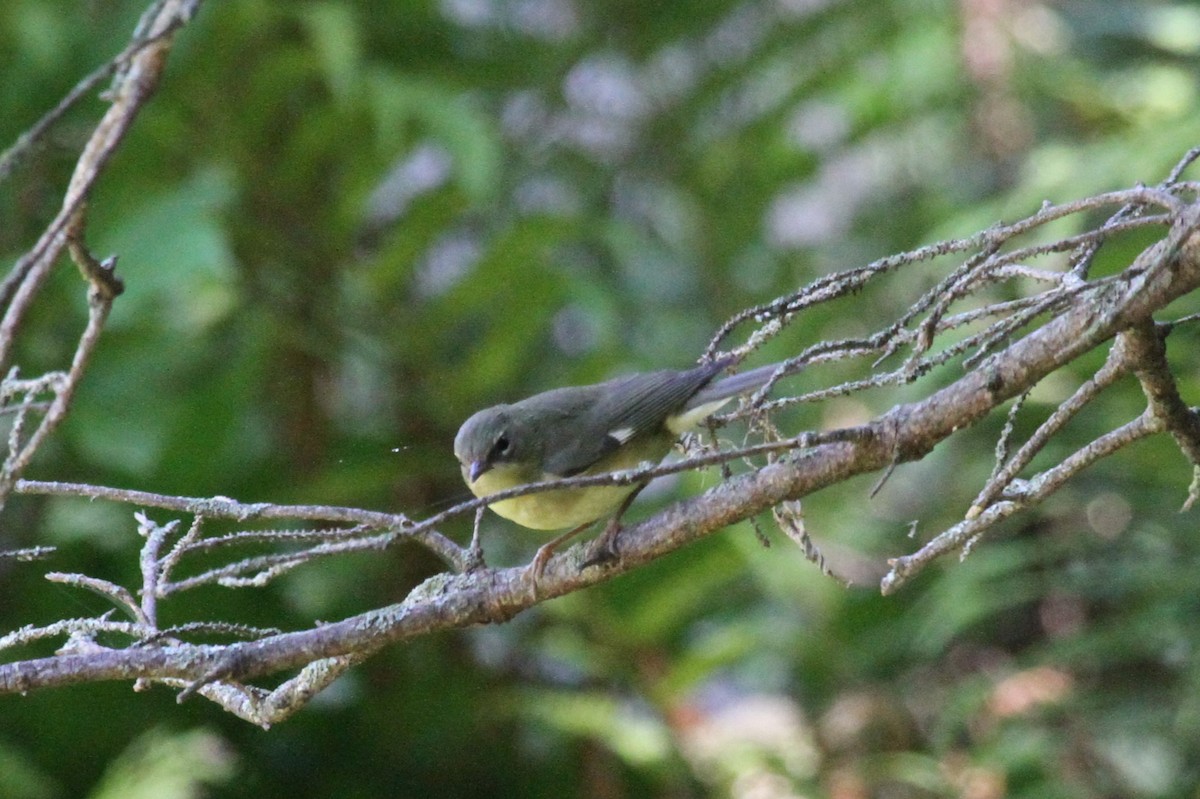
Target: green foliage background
(346, 226)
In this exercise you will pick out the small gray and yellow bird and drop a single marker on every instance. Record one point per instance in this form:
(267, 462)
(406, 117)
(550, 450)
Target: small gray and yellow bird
(585, 430)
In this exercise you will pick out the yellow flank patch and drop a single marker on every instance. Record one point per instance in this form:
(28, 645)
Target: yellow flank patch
(688, 420)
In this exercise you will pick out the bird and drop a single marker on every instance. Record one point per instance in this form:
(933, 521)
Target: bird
(588, 430)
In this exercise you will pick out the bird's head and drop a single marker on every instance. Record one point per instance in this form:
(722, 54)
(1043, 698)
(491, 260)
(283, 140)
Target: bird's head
(487, 440)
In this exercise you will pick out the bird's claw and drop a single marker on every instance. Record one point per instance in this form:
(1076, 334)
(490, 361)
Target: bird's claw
(604, 551)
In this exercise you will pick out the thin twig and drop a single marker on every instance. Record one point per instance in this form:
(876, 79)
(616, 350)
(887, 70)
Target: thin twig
(1114, 367)
(1147, 353)
(1017, 498)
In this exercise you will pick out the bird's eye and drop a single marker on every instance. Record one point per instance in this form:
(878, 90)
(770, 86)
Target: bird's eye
(501, 446)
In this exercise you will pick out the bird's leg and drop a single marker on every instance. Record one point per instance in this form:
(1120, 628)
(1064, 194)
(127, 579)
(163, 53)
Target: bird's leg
(546, 550)
(605, 548)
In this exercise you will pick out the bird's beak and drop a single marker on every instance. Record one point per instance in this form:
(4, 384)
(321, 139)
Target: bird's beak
(476, 469)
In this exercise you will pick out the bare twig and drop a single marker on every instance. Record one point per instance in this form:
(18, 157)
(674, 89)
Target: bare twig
(114, 593)
(138, 77)
(1114, 367)
(28, 553)
(1017, 497)
(137, 71)
(11, 157)
(1147, 353)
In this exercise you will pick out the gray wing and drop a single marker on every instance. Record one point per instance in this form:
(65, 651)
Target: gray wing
(628, 407)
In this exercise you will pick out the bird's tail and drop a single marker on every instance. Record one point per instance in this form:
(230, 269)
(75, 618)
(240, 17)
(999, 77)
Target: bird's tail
(734, 385)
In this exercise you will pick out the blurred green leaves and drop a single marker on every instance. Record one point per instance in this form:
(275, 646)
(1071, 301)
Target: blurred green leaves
(165, 765)
(175, 255)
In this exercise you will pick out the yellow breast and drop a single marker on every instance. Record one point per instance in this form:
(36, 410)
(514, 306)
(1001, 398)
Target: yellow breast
(549, 510)
(566, 507)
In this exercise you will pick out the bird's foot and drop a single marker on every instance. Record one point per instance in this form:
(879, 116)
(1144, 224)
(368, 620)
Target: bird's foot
(538, 565)
(604, 550)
